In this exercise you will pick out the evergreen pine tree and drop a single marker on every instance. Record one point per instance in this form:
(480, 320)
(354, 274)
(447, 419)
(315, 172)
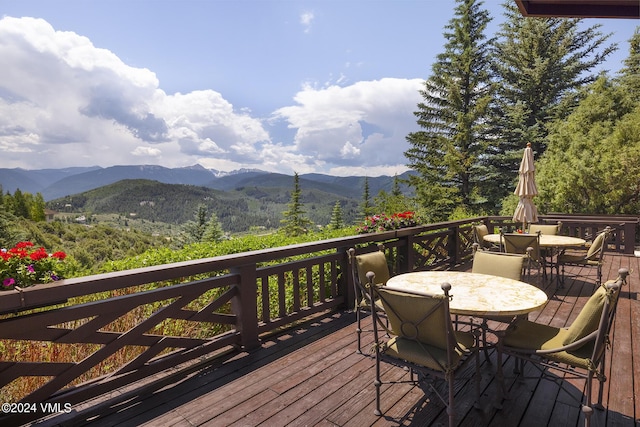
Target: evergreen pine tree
(630, 74)
(20, 207)
(446, 153)
(295, 220)
(336, 217)
(37, 208)
(540, 64)
(213, 230)
(194, 230)
(366, 207)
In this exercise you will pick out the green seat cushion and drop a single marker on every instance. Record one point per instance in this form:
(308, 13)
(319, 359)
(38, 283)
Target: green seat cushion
(427, 355)
(376, 262)
(531, 336)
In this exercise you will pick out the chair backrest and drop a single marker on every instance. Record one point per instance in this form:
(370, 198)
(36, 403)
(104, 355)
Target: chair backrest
(498, 264)
(479, 231)
(517, 243)
(596, 317)
(420, 317)
(376, 262)
(597, 248)
(548, 229)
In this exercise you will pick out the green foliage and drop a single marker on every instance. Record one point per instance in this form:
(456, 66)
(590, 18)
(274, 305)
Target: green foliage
(447, 152)
(158, 256)
(593, 160)
(24, 205)
(630, 74)
(87, 247)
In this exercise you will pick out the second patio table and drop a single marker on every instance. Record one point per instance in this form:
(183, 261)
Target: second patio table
(546, 240)
(474, 294)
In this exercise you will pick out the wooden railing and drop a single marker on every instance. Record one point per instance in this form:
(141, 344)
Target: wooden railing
(105, 331)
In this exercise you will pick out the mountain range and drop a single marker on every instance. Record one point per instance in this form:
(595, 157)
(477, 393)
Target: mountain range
(57, 183)
(241, 199)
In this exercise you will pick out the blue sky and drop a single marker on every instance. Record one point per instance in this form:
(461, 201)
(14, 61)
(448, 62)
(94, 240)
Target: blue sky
(281, 85)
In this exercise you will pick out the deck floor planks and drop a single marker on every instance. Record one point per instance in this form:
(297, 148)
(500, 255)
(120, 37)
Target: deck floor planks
(313, 376)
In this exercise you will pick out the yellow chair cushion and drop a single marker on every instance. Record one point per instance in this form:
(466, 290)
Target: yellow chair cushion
(376, 262)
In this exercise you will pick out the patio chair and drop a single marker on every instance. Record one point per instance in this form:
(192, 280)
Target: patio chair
(549, 229)
(422, 338)
(592, 257)
(479, 231)
(578, 351)
(525, 244)
(375, 262)
(497, 264)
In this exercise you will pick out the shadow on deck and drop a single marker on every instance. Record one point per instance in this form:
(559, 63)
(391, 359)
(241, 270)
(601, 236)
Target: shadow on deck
(312, 376)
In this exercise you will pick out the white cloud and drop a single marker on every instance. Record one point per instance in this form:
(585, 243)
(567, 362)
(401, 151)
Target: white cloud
(62, 100)
(65, 102)
(306, 19)
(364, 124)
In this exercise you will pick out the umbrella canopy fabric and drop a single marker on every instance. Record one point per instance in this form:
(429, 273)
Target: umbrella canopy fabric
(526, 211)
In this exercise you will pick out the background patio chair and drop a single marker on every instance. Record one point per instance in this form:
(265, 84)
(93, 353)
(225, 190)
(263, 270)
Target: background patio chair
(479, 231)
(497, 264)
(549, 229)
(525, 244)
(592, 257)
(423, 339)
(375, 262)
(578, 350)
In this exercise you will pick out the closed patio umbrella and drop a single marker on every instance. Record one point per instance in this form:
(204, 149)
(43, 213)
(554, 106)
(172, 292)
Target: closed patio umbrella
(526, 211)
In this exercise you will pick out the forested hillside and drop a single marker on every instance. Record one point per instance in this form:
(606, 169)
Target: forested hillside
(238, 210)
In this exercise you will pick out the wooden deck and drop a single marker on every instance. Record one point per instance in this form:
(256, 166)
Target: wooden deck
(312, 376)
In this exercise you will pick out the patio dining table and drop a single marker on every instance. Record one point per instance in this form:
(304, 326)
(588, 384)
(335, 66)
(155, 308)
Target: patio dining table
(473, 294)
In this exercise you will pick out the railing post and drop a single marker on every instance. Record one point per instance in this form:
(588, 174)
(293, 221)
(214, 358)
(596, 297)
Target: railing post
(405, 257)
(629, 237)
(346, 281)
(454, 245)
(245, 306)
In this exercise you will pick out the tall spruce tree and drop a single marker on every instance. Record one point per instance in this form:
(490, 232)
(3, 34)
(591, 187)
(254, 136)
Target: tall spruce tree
(447, 152)
(336, 222)
(539, 64)
(366, 206)
(630, 74)
(295, 220)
